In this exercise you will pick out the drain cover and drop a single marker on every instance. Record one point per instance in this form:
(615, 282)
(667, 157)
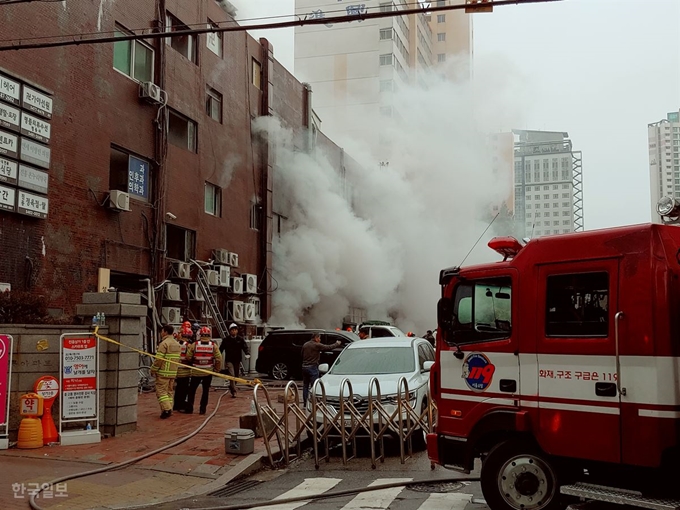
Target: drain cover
(234, 488)
(437, 487)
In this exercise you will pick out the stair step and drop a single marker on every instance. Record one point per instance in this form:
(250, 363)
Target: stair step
(618, 496)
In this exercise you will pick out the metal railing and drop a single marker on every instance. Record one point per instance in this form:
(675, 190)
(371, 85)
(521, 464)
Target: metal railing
(343, 420)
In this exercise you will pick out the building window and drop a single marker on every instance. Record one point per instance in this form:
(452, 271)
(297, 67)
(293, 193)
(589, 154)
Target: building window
(213, 199)
(386, 59)
(181, 131)
(180, 243)
(214, 39)
(256, 216)
(441, 18)
(386, 33)
(441, 36)
(185, 44)
(129, 173)
(257, 74)
(386, 7)
(577, 305)
(133, 58)
(386, 85)
(441, 57)
(386, 111)
(213, 104)
(565, 204)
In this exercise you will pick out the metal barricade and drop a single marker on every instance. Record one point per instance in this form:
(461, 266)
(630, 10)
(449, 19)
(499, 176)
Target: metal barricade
(343, 421)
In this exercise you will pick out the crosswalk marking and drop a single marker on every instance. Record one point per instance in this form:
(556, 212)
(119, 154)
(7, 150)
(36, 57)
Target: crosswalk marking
(448, 501)
(310, 487)
(379, 499)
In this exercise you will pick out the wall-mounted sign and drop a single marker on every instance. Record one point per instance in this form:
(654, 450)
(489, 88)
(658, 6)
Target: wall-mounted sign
(35, 153)
(37, 102)
(9, 117)
(8, 170)
(8, 199)
(9, 144)
(138, 177)
(32, 205)
(34, 127)
(10, 90)
(32, 178)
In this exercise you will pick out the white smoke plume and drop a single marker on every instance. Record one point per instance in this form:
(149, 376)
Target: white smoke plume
(421, 213)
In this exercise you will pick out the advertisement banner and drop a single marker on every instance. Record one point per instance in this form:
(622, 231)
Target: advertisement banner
(5, 366)
(79, 378)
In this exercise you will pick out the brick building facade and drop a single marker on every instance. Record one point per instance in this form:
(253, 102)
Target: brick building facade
(197, 179)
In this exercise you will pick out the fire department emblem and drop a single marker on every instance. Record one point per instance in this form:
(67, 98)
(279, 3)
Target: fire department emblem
(478, 371)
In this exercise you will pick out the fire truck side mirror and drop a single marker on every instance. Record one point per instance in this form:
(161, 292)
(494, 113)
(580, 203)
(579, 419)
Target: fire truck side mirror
(445, 314)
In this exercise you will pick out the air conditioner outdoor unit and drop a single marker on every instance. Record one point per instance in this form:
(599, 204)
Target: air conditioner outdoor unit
(237, 285)
(233, 259)
(235, 310)
(256, 302)
(119, 200)
(151, 92)
(221, 256)
(195, 293)
(249, 312)
(213, 277)
(172, 292)
(183, 270)
(171, 315)
(250, 283)
(225, 276)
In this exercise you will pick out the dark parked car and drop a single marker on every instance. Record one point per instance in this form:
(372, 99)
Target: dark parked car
(280, 354)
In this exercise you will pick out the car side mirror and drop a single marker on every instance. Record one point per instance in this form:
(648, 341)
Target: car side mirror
(427, 366)
(445, 314)
(323, 368)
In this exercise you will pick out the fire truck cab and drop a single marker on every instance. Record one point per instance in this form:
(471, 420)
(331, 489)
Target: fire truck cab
(559, 367)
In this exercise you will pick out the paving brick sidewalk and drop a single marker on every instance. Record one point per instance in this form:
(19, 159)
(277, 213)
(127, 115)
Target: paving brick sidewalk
(189, 466)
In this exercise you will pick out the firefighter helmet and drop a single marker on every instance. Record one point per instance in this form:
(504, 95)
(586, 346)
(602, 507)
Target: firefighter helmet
(205, 331)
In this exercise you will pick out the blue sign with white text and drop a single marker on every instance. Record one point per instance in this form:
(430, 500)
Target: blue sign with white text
(138, 177)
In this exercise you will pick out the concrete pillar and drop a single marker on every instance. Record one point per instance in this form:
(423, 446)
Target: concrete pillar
(118, 376)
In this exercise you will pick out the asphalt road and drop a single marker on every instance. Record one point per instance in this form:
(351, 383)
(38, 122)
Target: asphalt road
(302, 479)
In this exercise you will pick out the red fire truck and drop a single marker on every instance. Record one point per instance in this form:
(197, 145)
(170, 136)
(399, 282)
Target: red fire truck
(559, 368)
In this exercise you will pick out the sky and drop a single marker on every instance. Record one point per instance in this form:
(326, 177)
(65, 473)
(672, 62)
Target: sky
(600, 70)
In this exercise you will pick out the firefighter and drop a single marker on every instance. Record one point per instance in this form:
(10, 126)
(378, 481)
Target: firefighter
(196, 328)
(183, 372)
(231, 347)
(429, 337)
(202, 354)
(164, 372)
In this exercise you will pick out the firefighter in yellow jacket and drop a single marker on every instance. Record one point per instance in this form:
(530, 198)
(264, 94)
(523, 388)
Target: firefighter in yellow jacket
(206, 355)
(168, 351)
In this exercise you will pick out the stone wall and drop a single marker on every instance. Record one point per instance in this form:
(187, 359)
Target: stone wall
(36, 353)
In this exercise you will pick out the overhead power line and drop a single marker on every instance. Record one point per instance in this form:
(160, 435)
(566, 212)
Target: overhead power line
(79, 39)
(9, 2)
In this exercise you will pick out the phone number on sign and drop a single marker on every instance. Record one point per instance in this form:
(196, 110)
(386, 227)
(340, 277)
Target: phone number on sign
(577, 374)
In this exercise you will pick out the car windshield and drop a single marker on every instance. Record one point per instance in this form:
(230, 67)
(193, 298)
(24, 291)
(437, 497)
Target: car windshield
(375, 361)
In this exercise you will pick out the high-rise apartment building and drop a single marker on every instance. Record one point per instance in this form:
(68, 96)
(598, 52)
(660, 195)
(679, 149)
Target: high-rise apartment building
(548, 184)
(664, 159)
(355, 68)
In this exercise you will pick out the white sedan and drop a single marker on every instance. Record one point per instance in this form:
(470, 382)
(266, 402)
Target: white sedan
(388, 360)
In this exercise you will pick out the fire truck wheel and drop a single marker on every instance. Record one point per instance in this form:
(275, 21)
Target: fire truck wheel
(516, 476)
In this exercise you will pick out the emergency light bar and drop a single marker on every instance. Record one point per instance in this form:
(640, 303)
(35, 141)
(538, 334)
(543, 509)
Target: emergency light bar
(509, 247)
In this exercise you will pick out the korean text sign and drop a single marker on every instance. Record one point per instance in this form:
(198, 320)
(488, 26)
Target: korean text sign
(79, 378)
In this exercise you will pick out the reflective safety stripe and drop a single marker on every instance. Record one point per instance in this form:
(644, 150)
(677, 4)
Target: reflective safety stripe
(168, 369)
(204, 354)
(183, 351)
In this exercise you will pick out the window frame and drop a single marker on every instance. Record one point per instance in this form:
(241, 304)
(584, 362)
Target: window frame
(189, 242)
(551, 335)
(191, 38)
(190, 122)
(470, 335)
(118, 28)
(216, 199)
(218, 35)
(212, 95)
(134, 196)
(256, 72)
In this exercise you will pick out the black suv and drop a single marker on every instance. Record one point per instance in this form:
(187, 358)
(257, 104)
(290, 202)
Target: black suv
(280, 353)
